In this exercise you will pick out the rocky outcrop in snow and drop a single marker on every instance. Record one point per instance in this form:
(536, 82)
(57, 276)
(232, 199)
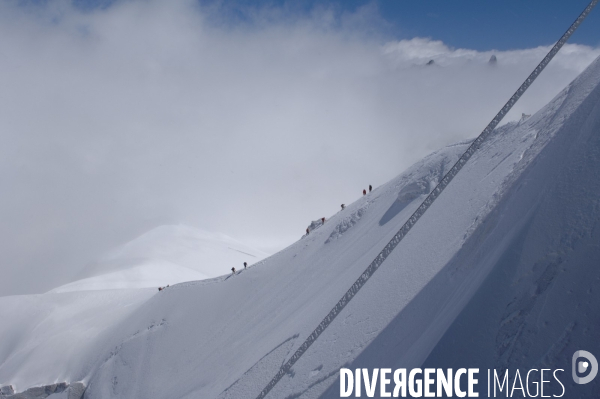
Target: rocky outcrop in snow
(61, 390)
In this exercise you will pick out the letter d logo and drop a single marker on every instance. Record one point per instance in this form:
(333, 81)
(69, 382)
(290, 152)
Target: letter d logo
(582, 366)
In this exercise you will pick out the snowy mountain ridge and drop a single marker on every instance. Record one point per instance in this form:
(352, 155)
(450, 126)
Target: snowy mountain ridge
(165, 255)
(499, 273)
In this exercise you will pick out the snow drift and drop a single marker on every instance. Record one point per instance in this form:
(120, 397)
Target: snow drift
(501, 272)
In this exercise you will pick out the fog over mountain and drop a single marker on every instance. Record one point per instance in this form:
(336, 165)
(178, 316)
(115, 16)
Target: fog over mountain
(117, 120)
(500, 273)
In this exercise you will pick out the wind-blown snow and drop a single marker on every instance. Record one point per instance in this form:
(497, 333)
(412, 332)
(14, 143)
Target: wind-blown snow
(500, 272)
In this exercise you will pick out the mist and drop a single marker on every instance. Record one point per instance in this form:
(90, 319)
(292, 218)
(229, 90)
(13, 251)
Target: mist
(120, 119)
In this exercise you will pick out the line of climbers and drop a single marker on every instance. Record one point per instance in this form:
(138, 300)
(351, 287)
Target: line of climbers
(233, 268)
(343, 207)
(307, 232)
(232, 273)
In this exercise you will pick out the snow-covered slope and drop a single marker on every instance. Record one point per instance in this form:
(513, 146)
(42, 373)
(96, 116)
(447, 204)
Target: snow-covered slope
(502, 268)
(44, 338)
(165, 255)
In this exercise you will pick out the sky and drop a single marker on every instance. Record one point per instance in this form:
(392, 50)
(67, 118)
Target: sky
(244, 118)
(474, 24)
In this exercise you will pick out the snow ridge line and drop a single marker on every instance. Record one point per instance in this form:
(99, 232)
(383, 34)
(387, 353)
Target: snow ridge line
(412, 220)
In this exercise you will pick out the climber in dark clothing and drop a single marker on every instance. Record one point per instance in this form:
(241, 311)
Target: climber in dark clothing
(322, 220)
(370, 188)
(307, 231)
(233, 270)
(343, 206)
(245, 265)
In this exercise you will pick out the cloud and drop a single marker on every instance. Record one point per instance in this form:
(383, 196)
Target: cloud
(119, 119)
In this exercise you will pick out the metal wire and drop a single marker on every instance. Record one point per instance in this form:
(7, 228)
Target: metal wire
(412, 220)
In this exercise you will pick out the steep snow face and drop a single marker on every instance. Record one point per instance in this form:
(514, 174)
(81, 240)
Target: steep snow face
(47, 338)
(511, 238)
(165, 255)
(539, 304)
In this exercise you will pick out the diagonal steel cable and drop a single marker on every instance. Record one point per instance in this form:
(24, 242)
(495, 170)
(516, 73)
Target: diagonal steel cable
(412, 220)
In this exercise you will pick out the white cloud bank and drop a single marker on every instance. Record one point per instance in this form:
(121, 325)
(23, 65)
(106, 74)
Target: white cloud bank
(147, 113)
